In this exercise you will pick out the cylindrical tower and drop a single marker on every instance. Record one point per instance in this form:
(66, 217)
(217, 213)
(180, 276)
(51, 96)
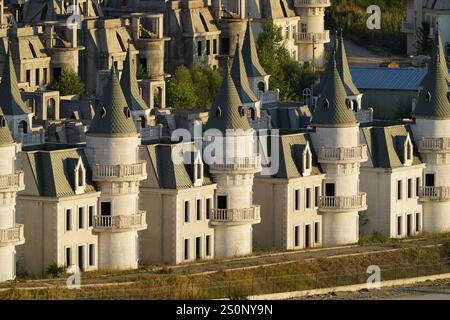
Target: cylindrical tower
(312, 36)
(432, 133)
(112, 149)
(233, 163)
(336, 141)
(11, 181)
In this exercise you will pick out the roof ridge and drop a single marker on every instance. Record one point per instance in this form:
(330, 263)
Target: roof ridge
(250, 54)
(129, 84)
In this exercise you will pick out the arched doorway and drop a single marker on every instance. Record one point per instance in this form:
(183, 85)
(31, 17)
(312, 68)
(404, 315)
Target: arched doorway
(23, 126)
(51, 109)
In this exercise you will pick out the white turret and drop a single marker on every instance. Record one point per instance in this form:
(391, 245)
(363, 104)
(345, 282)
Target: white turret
(312, 36)
(112, 150)
(336, 140)
(11, 181)
(432, 133)
(233, 168)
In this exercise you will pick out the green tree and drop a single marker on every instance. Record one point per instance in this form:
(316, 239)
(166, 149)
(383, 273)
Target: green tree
(424, 42)
(194, 88)
(69, 84)
(286, 74)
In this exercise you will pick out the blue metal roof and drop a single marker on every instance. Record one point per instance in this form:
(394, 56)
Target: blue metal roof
(387, 78)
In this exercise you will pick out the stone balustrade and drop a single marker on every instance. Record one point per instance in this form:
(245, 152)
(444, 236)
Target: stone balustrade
(121, 222)
(434, 145)
(243, 215)
(434, 193)
(13, 235)
(343, 203)
(343, 154)
(237, 164)
(12, 182)
(309, 37)
(123, 172)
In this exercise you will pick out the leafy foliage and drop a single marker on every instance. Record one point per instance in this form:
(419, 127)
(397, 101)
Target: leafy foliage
(424, 42)
(286, 74)
(351, 16)
(55, 271)
(69, 84)
(194, 88)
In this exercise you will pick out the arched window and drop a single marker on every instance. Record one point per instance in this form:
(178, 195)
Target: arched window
(23, 126)
(51, 109)
(261, 86)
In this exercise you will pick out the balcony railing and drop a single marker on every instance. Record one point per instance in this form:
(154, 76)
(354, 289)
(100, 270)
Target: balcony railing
(309, 37)
(312, 3)
(244, 215)
(105, 172)
(263, 123)
(32, 138)
(358, 153)
(237, 163)
(434, 193)
(408, 27)
(269, 96)
(343, 203)
(12, 235)
(12, 182)
(364, 116)
(151, 133)
(120, 222)
(434, 144)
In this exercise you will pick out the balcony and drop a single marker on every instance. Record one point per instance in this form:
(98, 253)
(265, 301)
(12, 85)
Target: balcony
(343, 154)
(120, 172)
(32, 138)
(269, 96)
(235, 216)
(12, 182)
(12, 235)
(309, 37)
(364, 116)
(434, 194)
(237, 164)
(343, 203)
(262, 123)
(312, 3)
(408, 27)
(121, 223)
(429, 145)
(151, 133)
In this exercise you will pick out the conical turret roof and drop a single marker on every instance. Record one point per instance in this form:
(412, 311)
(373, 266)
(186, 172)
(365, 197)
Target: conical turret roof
(227, 111)
(129, 85)
(250, 55)
(434, 98)
(343, 68)
(5, 134)
(332, 109)
(239, 75)
(10, 99)
(113, 116)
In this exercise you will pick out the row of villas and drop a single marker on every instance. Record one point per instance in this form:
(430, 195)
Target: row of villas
(117, 201)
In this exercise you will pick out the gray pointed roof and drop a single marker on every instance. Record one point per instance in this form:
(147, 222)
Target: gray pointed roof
(227, 111)
(250, 55)
(344, 70)
(440, 47)
(5, 134)
(10, 99)
(239, 75)
(434, 98)
(331, 109)
(129, 85)
(113, 117)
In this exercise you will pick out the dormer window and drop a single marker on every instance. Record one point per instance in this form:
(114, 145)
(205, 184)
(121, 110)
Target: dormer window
(349, 104)
(307, 160)
(218, 112)
(2, 122)
(408, 152)
(127, 112)
(428, 96)
(103, 113)
(80, 177)
(198, 170)
(326, 104)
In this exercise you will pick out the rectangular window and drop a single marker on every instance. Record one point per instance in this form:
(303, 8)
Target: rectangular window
(208, 207)
(418, 222)
(186, 249)
(81, 257)
(91, 216)
(399, 226)
(105, 208)
(92, 255)
(199, 48)
(28, 75)
(316, 232)
(215, 46)
(198, 248)
(316, 196)
(410, 188)
(308, 198)
(296, 236)
(57, 73)
(186, 211)
(199, 209)
(208, 246)
(68, 257)
(68, 219)
(225, 45)
(297, 199)
(208, 47)
(80, 218)
(44, 76)
(417, 187)
(399, 190)
(38, 81)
